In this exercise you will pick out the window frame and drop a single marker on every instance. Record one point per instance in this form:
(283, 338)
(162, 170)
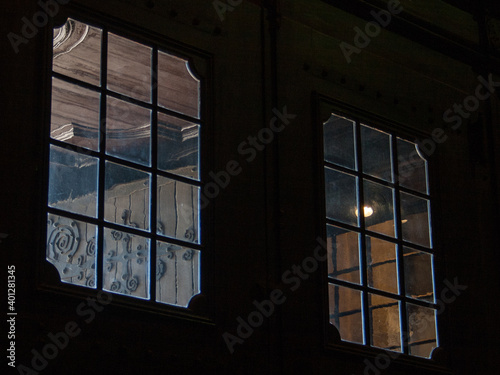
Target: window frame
(201, 306)
(323, 107)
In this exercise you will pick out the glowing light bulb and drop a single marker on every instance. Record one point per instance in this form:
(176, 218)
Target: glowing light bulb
(367, 211)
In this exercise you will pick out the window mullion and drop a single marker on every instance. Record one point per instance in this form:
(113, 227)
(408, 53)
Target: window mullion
(102, 151)
(154, 175)
(399, 236)
(362, 240)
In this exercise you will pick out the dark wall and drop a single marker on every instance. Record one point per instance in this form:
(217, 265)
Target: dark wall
(269, 216)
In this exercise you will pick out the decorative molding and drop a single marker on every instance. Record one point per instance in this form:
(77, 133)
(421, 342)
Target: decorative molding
(190, 234)
(63, 238)
(121, 261)
(73, 259)
(188, 255)
(68, 37)
(165, 130)
(161, 269)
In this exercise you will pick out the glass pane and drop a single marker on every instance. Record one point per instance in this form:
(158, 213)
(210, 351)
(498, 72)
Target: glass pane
(177, 274)
(129, 68)
(178, 146)
(341, 196)
(379, 208)
(343, 254)
(382, 264)
(126, 264)
(77, 51)
(73, 181)
(345, 312)
(128, 131)
(415, 219)
(422, 338)
(127, 197)
(338, 135)
(412, 168)
(376, 151)
(419, 275)
(75, 115)
(178, 215)
(71, 248)
(178, 88)
(384, 322)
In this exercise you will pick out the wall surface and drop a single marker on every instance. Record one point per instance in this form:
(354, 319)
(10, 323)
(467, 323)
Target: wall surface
(423, 73)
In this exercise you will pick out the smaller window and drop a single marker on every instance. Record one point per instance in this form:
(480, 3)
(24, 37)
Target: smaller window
(380, 255)
(124, 166)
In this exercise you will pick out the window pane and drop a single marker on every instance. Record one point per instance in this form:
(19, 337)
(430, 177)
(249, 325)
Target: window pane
(419, 275)
(125, 167)
(345, 312)
(382, 264)
(376, 151)
(415, 219)
(75, 115)
(379, 208)
(338, 134)
(422, 326)
(127, 196)
(177, 274)
(73, 181)
(412, 168)
(178, 146)
(126, 264)
(177, 210)
(128, 131)
(178, 88)
(77, 51)
(384, 322)
(71, 248)
(343, 254)
(341, 196)
(129, 68)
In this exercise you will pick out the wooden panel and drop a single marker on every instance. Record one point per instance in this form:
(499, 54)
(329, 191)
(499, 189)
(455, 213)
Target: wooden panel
(139, 208)
(177, 281)
(186, 229)
(166, 206)
(166, 284)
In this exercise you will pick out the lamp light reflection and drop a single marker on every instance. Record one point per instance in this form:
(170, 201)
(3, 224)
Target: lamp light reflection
(367, 211)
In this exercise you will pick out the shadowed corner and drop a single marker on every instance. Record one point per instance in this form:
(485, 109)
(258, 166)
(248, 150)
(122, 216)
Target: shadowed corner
(51, 275)
(333, 334)
(440, 356)
(198, 304)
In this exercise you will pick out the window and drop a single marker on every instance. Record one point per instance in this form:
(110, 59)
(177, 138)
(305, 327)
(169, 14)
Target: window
(124, 170)
(380, 264)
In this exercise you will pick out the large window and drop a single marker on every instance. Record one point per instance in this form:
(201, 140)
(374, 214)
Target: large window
(380, 265)
(124, 170)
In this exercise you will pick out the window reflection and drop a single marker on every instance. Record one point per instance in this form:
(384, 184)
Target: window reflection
(380, 259)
